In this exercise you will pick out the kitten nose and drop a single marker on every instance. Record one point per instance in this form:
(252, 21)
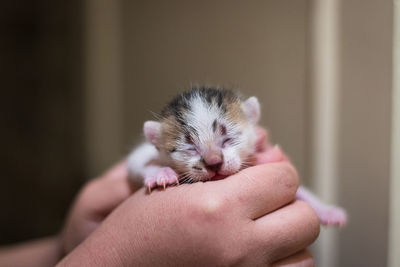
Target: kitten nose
(213, 163)
(214, 159)
(214, 167)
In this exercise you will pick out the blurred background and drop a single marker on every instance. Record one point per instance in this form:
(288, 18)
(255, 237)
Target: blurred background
(79, 78)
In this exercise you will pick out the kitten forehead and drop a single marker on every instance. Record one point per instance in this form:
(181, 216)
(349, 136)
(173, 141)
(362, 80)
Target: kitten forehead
(197, 112)
(201, 117)
(218, 98)
(202, 114)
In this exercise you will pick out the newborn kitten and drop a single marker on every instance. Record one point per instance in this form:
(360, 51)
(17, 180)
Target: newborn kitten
(206, 134)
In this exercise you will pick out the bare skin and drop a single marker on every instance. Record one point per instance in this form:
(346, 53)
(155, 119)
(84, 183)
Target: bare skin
(35, 253)
(249, 219)
(93, 204)
(227, 222)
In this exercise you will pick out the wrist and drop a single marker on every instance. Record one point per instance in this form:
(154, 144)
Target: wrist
(101, 248)
(40, 252)
(58, 243)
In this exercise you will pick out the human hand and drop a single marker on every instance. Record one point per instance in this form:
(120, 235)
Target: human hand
(265, 152)
(101, 195)
(94, 202)
(248, 219)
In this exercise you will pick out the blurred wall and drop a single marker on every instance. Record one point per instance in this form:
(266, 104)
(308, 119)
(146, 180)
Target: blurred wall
(42, 160)
(365, 127)
(256, 46)
(138, 54)
(262, 47)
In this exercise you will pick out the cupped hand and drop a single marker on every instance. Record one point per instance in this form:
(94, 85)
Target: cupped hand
(94, 202)
(101, 195)
(248, 219)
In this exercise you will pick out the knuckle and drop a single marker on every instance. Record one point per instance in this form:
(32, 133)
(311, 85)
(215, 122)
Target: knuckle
(232, 257)
(312, 222)
(292, 175)
(90, 187)
(288, 176)
(89, 190)
(235, 252)
(210, 208)
(310, 262)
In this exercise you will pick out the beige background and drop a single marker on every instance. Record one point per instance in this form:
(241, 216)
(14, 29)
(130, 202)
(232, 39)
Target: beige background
(153, 49)
(365, 130)
(258, 47)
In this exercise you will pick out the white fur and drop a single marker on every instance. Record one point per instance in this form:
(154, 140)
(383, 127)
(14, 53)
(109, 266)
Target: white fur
(201, 119)
(207, 142)
(152, 131)
(328, 215)
(251, 108)
(152, 165)
(138, 162)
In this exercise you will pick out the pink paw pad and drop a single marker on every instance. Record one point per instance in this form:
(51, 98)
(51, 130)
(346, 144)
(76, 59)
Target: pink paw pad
(150, 182)
(166, 176)
(333, 216)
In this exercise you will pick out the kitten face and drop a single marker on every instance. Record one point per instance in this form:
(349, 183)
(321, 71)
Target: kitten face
(205, 138)
(216, 148)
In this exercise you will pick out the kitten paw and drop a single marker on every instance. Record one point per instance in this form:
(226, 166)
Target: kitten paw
(150, 182)
(333, 216)
(166, 176)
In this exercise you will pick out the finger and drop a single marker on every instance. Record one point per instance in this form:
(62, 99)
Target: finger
(103, 194)
(262, 139)
(300, 259)
(270, 154)
(118, 171)
(287, 230)
(109, 195)
(258, 190)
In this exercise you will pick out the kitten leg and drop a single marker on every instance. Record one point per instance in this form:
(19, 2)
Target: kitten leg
(149, 174)
(328, 215)
(139, 166)
(158, 176)
(166, 176)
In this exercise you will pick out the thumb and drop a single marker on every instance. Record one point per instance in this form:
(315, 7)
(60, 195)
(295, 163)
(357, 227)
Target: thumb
(103, 194)
(271, 154)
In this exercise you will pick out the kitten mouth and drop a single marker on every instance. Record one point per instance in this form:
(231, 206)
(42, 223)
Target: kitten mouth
(214, 176)
(222, 174)
(218, 176)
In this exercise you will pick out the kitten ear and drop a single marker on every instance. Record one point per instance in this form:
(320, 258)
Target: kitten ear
(152, 131)
(251, 108)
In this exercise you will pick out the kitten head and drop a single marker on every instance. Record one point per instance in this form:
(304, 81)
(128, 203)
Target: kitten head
(206, 133)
